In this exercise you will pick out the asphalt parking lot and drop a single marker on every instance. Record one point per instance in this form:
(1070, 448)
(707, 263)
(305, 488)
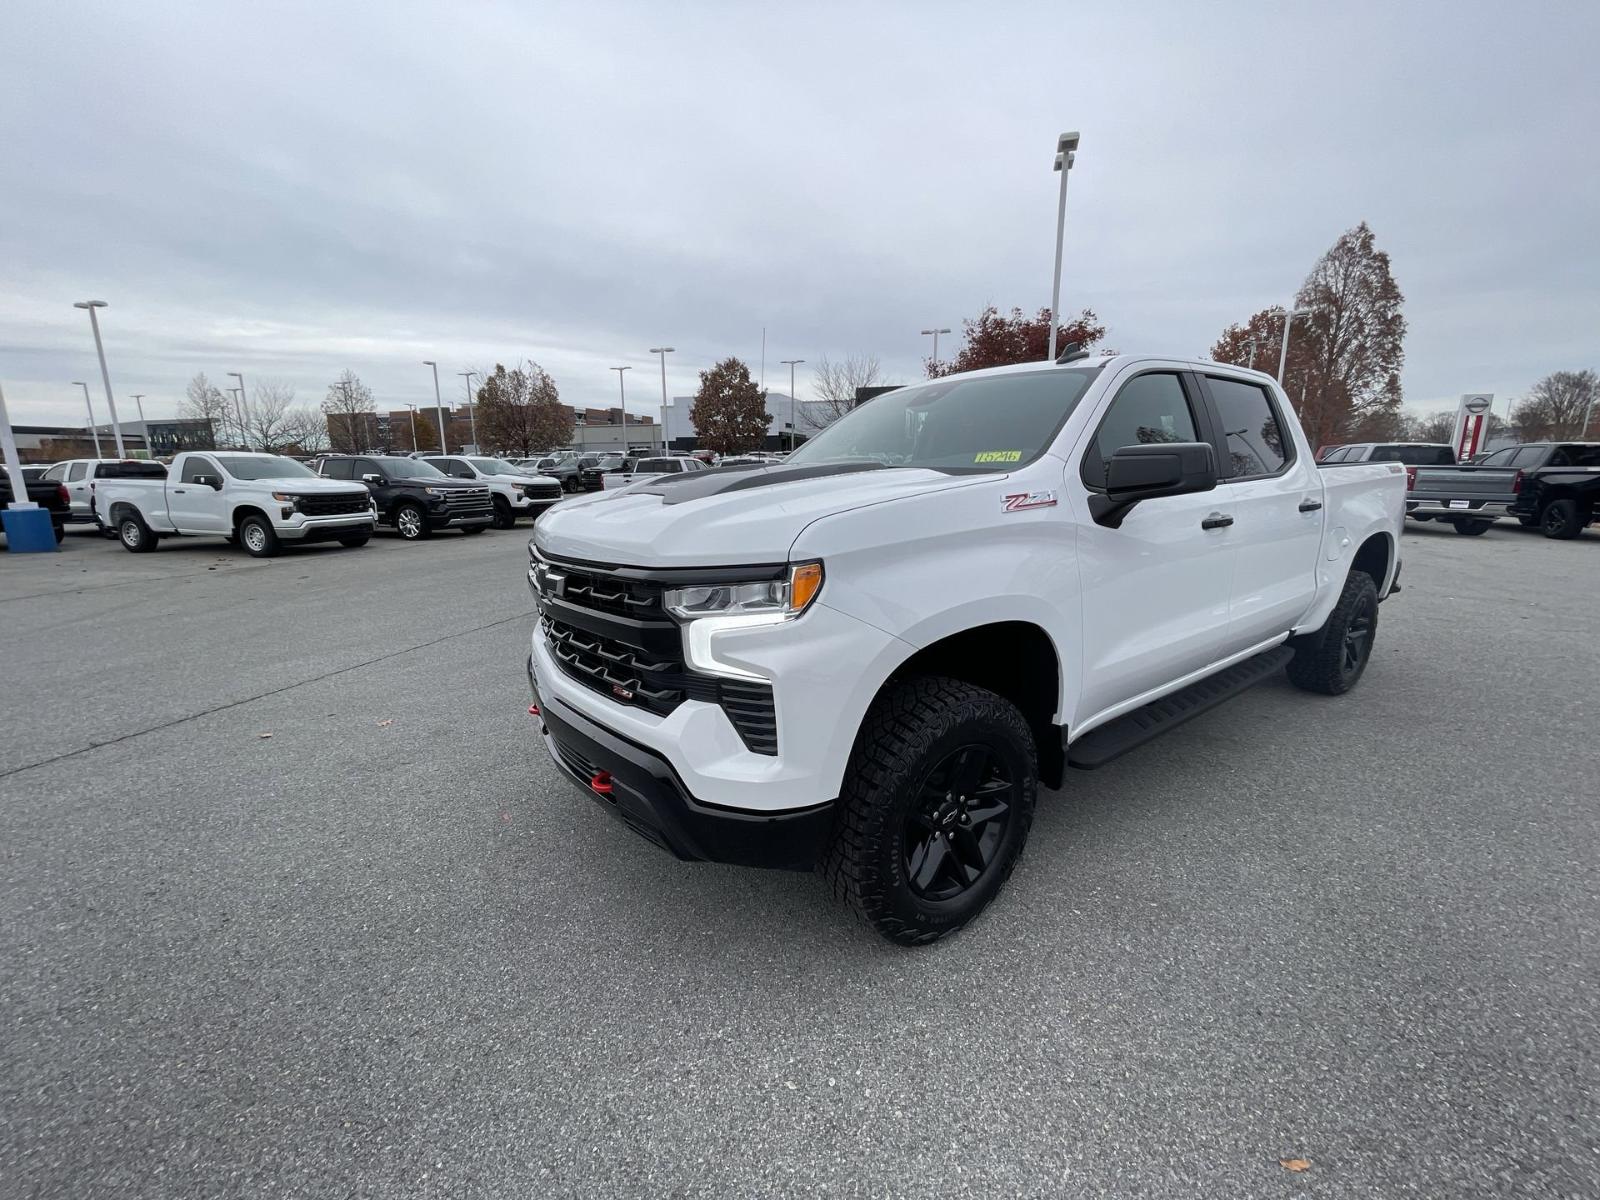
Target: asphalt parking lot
(293, 904)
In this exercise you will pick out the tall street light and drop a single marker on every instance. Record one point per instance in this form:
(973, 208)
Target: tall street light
(244, 412)
(663, 351)
(414, 446)
(238, 416)
(1289, 314)
(105, 375)
(790, 363)
(623, 392)
(1066, 155)
(472, 419)
(444, 447)
(936, 333)
(89, 404)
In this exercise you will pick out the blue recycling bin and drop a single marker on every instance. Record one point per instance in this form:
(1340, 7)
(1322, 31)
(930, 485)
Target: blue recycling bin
(28, 530)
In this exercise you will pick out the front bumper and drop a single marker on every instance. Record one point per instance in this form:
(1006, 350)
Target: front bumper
(319, 529)
(440, 519)
(641, 789)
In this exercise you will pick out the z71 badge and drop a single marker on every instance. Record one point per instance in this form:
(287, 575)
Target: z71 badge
(1019, 501)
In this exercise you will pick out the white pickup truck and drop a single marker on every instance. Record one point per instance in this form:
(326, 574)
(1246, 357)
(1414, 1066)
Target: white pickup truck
(256, 500)
(870, 658)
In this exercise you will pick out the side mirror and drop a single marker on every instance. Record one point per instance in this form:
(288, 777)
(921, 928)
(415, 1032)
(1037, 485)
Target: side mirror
(369, 477)
(1138, 473)
(210, 481)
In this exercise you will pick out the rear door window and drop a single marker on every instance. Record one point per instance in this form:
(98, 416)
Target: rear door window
(56, 473)
(1251, 431)
(338, 468)
(78, 471)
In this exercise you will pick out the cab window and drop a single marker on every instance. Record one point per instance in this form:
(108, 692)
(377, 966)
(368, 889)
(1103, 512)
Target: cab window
(1150, 409)
(338, 468)
(194, 466)
(79, 470)
(56, 473)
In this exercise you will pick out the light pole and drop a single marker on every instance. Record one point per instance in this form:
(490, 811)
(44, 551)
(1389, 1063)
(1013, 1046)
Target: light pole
(244, 413)
(790, 363)
(414, 446)
(1289, 314)
(472, 419)
(1066, 155)
(663, 351)
(623, 392)
(89, 404)
(105, 375)
(144, 429)
(936, 333)
(1250, 364)
(238, 416)
(444, 447)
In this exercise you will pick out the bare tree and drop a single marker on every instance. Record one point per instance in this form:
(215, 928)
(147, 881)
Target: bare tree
(351, 414)
(204, 401)
(834, 386)
(268, 419)
(1556, 406)
(306, 428)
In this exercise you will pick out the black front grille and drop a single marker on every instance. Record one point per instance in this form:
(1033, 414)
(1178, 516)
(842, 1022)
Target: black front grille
(610, 631)
(337, 505)
(542, 491)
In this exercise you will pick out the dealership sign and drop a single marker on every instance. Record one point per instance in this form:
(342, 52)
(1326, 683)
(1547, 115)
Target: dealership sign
(1472, 424)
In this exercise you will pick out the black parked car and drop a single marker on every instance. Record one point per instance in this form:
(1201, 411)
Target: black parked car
(592, 466)
(46, 493)
(412, 496)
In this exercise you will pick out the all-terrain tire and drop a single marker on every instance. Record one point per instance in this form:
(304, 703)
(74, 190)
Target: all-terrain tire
(504, 518)
(1323, 660)
(911, 731)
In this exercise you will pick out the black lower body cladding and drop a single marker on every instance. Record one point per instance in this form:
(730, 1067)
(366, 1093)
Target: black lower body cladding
(641, 789)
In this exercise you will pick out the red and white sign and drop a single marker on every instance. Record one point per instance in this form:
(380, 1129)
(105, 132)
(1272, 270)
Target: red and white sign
(1472, 422)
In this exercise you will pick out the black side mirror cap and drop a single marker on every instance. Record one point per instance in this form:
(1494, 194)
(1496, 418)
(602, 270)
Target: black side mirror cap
(210, 481)
(369, 477)
(1147, 472)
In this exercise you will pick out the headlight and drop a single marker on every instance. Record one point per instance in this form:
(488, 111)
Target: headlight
(433, 491)
(786, 597)
(286, 497)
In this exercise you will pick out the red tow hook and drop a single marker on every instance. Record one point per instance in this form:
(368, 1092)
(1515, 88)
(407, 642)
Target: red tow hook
(601, 783)
(533, 710)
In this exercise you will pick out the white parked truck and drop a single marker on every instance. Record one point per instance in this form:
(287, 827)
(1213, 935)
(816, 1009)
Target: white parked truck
(256, 500)
(869, 659)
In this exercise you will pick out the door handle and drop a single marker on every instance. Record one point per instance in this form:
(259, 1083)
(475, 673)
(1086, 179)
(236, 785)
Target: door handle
(1216, 521)
(177, 491)
(1310, 505)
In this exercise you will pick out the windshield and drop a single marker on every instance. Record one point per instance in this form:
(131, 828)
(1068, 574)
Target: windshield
(411, 468)
(991, 423)
(495, 466)
(264, 466)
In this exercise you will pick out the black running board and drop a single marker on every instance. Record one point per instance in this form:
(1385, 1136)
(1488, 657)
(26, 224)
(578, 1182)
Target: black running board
(1116, 738)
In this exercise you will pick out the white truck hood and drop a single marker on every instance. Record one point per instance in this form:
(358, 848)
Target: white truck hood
(319, 486)
(715, 518)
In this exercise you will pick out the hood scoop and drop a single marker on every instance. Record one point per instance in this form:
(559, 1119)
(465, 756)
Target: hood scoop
(697, 485)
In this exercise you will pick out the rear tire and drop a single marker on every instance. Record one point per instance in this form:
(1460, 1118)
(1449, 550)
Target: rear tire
(1562, 519)
(258, 537)
(1528, 522)
(936, 806)
(135, 535)
(1471, 528)
(1333, 659)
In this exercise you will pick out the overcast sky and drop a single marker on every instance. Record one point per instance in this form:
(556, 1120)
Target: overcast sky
(289, 191)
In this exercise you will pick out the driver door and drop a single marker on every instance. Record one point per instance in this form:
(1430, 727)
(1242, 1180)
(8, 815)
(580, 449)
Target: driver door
(197, 507)
(1156, 591)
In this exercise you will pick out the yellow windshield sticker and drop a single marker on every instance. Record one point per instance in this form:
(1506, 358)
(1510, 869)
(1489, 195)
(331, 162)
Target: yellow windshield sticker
(989, 456)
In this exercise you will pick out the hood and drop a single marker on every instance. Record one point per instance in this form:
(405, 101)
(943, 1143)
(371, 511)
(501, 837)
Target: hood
(519, 480)
(717, 518)
(319, 486)
(447, 483)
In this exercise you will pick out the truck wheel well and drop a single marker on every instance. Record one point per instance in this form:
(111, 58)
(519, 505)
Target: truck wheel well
(1373, 558)
(246, 510)
(119, 510)
(1013, 659)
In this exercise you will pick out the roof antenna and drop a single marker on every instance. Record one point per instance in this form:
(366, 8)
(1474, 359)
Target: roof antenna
(1072, 352)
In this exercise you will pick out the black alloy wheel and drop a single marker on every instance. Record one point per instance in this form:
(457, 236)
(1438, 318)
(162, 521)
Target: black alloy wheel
(954, 830)
(1357, 646)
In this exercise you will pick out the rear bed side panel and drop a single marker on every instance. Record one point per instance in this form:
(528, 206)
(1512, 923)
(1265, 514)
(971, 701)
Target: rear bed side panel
(1361, 501)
